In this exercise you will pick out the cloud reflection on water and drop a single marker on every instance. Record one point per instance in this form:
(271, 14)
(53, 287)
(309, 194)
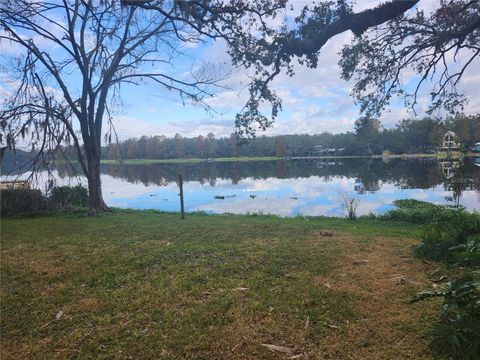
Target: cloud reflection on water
(281, 188)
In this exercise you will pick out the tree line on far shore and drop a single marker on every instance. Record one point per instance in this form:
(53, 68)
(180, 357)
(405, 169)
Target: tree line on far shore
(369, 138)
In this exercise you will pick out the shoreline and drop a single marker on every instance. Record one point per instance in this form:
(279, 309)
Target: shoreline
(273, 158)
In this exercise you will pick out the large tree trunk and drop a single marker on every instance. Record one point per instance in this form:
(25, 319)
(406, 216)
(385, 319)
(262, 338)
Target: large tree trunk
(95, 184)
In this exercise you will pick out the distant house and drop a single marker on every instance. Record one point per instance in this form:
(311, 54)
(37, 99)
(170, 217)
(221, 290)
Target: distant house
(321, 149)
(476, 147)
(448, 142)
(14, 184)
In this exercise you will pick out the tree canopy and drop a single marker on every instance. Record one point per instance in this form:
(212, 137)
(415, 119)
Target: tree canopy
(437, 49)
(390, 43)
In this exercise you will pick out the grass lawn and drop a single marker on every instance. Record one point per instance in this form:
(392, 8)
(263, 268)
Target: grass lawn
(145, 285)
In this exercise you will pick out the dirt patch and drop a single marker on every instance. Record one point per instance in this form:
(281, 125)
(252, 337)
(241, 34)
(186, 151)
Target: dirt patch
(382, 276)
(85, 305)
(37, 264)
(44, 268)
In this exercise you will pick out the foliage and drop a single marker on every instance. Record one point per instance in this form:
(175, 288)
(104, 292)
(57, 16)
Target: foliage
(390, 42)
(453, 237)
(365, 125)
(418, 43)
(415, 211)
(450, 234)
(32, 202)
(21, 201)
(66, 197)
(412, 203)
(276, 49)
(409, 136)
(457, 330)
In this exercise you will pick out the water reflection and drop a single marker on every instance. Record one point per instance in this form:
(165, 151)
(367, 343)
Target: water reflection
(289, 188)
(370, 173)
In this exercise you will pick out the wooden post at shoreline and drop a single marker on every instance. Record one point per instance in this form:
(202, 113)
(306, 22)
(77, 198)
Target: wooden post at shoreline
(182, 208)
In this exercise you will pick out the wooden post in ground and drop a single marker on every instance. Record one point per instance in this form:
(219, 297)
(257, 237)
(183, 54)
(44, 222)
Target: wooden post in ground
(182, 208)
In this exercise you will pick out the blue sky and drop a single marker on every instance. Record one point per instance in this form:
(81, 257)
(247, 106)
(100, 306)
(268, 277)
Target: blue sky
(314, 100)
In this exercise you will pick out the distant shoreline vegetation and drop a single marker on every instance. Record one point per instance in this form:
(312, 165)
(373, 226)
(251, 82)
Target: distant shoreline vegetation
(420, 138)
(408, 139)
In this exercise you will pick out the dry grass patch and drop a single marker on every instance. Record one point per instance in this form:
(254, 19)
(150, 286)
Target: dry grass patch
(382, 276)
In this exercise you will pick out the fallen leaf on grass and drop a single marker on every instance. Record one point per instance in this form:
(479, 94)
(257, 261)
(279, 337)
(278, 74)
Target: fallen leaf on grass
(327, 285)
(240, 289)
(57, 317)
(236, 346)
(443, 277)
(278, 348)
(361, 262)
(395, 276)
(331, 326)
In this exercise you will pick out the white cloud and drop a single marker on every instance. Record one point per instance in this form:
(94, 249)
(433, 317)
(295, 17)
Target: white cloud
(127, 127)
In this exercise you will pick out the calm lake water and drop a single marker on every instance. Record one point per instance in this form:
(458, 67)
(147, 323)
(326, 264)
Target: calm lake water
(289, 188)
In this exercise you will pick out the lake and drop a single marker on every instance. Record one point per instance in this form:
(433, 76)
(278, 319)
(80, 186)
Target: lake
(290, 187)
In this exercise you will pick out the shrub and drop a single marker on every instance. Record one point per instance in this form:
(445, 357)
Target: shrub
(21, 202)
(419, 212)
(350, 204)
(66, 197)
(453, 239)
(29, 201)
(457, 330)
(452, 236)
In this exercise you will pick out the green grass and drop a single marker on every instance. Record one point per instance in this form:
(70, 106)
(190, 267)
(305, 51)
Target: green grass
(146, 285)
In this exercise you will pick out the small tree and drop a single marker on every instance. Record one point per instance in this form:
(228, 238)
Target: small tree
(350, 204)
